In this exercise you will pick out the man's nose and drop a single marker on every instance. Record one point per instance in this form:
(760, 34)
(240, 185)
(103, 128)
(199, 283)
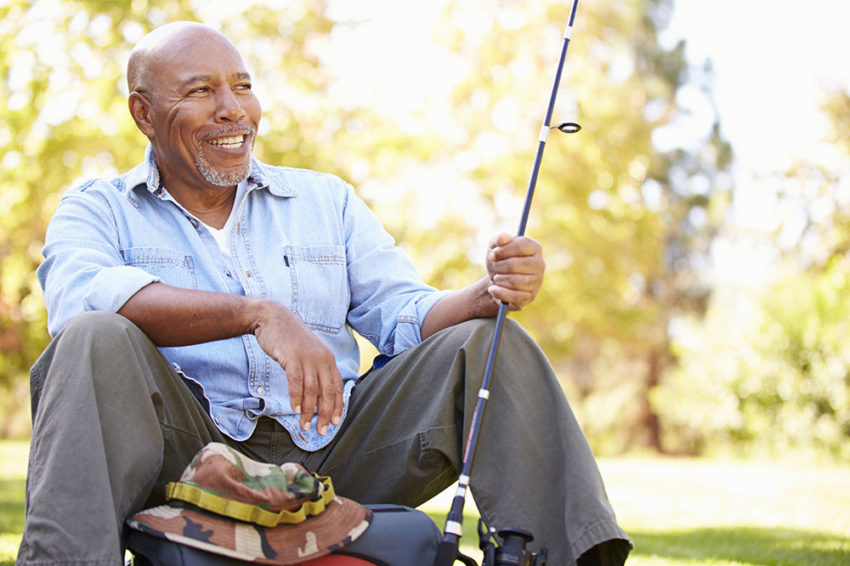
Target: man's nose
(228, 107)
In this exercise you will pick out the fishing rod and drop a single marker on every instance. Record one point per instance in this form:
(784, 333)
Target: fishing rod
(515, 538)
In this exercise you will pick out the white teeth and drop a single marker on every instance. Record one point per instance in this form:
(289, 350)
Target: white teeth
(234, 141)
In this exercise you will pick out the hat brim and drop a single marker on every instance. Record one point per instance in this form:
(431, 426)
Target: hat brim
(342, 521)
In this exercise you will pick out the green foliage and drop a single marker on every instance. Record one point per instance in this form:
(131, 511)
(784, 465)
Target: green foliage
(53, 129)
(806, 325)
(778, 383)
(769, 372)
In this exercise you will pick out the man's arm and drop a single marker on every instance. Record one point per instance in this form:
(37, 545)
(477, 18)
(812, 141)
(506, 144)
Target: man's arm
(515, 269)
(172, 316)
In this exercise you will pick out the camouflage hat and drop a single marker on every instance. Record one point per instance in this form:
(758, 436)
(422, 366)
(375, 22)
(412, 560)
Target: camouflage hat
(228, 504)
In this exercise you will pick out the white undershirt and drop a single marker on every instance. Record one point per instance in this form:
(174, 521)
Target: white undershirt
(221, 237)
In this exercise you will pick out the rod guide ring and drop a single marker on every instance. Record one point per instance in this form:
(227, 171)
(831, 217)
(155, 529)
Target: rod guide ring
(569, 127)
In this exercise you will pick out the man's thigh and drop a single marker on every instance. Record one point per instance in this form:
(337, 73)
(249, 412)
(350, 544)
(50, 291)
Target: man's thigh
(401, 441)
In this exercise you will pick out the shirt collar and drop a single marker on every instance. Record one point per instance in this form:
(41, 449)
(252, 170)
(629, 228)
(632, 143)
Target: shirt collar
(146, 174)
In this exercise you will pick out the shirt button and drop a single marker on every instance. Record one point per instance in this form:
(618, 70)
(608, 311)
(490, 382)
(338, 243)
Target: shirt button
(260, 390)
(248, 274)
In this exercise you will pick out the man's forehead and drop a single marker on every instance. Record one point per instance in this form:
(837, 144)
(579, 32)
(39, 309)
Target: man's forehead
(198, 48)
(185, 43)
(180, 52)
(198, 61)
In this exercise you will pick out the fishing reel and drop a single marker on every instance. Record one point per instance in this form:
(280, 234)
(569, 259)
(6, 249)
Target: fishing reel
(511, 552)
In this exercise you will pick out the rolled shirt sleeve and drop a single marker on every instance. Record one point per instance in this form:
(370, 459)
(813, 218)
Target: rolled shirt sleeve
(83, 269)
(408, 331)
(113, 286)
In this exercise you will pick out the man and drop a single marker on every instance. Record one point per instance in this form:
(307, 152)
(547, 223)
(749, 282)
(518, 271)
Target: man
(235, 286)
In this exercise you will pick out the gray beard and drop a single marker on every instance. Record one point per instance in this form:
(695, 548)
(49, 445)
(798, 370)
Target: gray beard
(217, 177)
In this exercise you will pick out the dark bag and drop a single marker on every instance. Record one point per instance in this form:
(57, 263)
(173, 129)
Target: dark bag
(398, 536)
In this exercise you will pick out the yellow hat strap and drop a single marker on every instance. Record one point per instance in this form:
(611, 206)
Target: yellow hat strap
(246, 511)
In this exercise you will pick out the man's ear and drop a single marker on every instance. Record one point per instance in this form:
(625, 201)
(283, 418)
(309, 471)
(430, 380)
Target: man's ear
(140, 111)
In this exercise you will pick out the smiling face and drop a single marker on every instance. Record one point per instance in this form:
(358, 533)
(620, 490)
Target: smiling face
(192, 97)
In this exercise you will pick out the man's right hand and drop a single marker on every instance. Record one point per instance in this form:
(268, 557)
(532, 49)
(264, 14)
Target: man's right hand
(314, 381)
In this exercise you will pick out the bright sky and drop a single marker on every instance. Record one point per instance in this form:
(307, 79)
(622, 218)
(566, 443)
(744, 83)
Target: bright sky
(774, 62)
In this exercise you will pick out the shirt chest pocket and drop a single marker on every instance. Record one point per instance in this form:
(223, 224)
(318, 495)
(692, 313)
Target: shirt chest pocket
(173, 267)
(320, 293)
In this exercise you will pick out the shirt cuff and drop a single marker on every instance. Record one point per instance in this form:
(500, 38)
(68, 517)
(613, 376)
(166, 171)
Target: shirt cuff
(409, 329)
(113, 286)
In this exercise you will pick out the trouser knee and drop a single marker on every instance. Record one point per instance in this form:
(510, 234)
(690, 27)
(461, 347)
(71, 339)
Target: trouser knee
(103, 338)
(517, 350)
(479, 331)
(97, 326)
(89, 352)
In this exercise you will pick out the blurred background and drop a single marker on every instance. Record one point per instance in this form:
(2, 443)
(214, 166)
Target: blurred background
(697, 297)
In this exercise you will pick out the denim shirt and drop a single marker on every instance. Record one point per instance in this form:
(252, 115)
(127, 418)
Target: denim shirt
(302, 238)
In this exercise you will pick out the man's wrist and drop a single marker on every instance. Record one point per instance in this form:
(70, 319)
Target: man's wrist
(481, 303)
(256, 313)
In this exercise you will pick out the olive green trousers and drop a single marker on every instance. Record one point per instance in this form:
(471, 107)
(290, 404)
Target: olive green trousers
(113, 423)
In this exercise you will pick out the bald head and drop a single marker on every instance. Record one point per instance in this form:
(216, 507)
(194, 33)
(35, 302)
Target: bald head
(155, 49)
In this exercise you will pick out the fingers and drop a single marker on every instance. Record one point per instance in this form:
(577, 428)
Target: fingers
(329, 406)
(316, 391)
(505, 246)
(500, 240)
(515, 266)
(516, 290)
(309, 395)
(315, 385)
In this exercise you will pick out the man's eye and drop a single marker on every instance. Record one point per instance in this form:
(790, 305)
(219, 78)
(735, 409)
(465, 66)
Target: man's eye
(243, 86)
(200, 90)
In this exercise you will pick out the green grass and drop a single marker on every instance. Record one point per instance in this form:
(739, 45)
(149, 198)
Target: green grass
(13, 470)
(727, 512)
(680, 512)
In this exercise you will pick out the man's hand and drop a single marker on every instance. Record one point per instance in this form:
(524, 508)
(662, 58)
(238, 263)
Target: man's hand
(515, 266)
(172, 316)
(314, 381)
(514, 275)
